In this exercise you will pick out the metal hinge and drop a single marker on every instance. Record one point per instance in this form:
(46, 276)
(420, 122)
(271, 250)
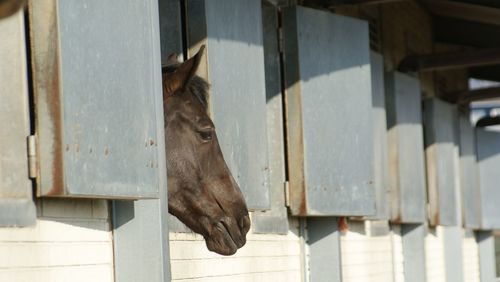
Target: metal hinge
(32, 161)
(287, 193)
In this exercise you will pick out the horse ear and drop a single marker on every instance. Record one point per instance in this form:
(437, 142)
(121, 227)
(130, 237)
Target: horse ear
(172, 59)
(177, 80)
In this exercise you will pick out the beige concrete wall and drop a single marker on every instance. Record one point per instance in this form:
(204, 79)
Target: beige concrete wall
(366, 257)
(71, 241)
(265, 257)
(470, 257)
(434, 255)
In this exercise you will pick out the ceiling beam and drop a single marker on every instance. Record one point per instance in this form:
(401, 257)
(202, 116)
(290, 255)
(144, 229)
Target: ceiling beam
(460, 32)
(479, 94)
(488, 121)
(491, 73)
(333, 3)
(464, 11)
(489, 3)
(450, 60)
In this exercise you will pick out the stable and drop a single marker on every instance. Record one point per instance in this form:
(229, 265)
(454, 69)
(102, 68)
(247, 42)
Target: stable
(350, 126)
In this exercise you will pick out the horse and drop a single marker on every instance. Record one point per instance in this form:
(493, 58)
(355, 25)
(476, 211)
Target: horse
(202, 193)
(9, 7)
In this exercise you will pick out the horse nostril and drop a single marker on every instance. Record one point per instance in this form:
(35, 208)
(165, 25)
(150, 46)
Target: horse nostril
(245, 223)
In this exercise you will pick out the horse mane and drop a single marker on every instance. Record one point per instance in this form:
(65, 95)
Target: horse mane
(197, 86)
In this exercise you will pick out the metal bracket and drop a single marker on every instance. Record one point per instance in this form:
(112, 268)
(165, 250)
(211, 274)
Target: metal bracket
(287, 193)
(32, 161)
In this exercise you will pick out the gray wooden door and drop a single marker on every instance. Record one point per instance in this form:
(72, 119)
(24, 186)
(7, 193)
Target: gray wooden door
(97, 86)
(329, 113)
(16, 203)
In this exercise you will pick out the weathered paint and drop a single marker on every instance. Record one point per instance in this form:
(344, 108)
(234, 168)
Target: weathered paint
(95, 84)
(406, 156)
(328, 93)
(440, 120)
(46, 76)
(16, 203)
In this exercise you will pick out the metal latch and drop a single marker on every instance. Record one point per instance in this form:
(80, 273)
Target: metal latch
(287, 193)
(32, 162)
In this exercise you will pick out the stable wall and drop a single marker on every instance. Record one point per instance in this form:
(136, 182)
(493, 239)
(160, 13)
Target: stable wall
(71, 241)
(265, 257)
(367, 252)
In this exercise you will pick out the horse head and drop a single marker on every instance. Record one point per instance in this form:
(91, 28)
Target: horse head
(201, 190)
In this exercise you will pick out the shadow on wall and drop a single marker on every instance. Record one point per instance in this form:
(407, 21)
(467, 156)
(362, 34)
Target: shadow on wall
(84, 213)
(488, 147)
(300, 39)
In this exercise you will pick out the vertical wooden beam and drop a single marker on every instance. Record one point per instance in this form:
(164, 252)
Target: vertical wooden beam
(479, 94)
(486, 243)
(324, 249)
(413, 236)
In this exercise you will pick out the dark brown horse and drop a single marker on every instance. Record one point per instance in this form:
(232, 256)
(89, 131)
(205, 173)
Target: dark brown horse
(201, 190)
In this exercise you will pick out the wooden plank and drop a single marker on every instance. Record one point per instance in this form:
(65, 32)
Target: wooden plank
(479, 94)
(450, 60)
(486, 73)
(464, 11)
(460, 32)
(332, 3)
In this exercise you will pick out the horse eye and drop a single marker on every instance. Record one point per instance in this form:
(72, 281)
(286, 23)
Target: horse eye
(206, 135)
